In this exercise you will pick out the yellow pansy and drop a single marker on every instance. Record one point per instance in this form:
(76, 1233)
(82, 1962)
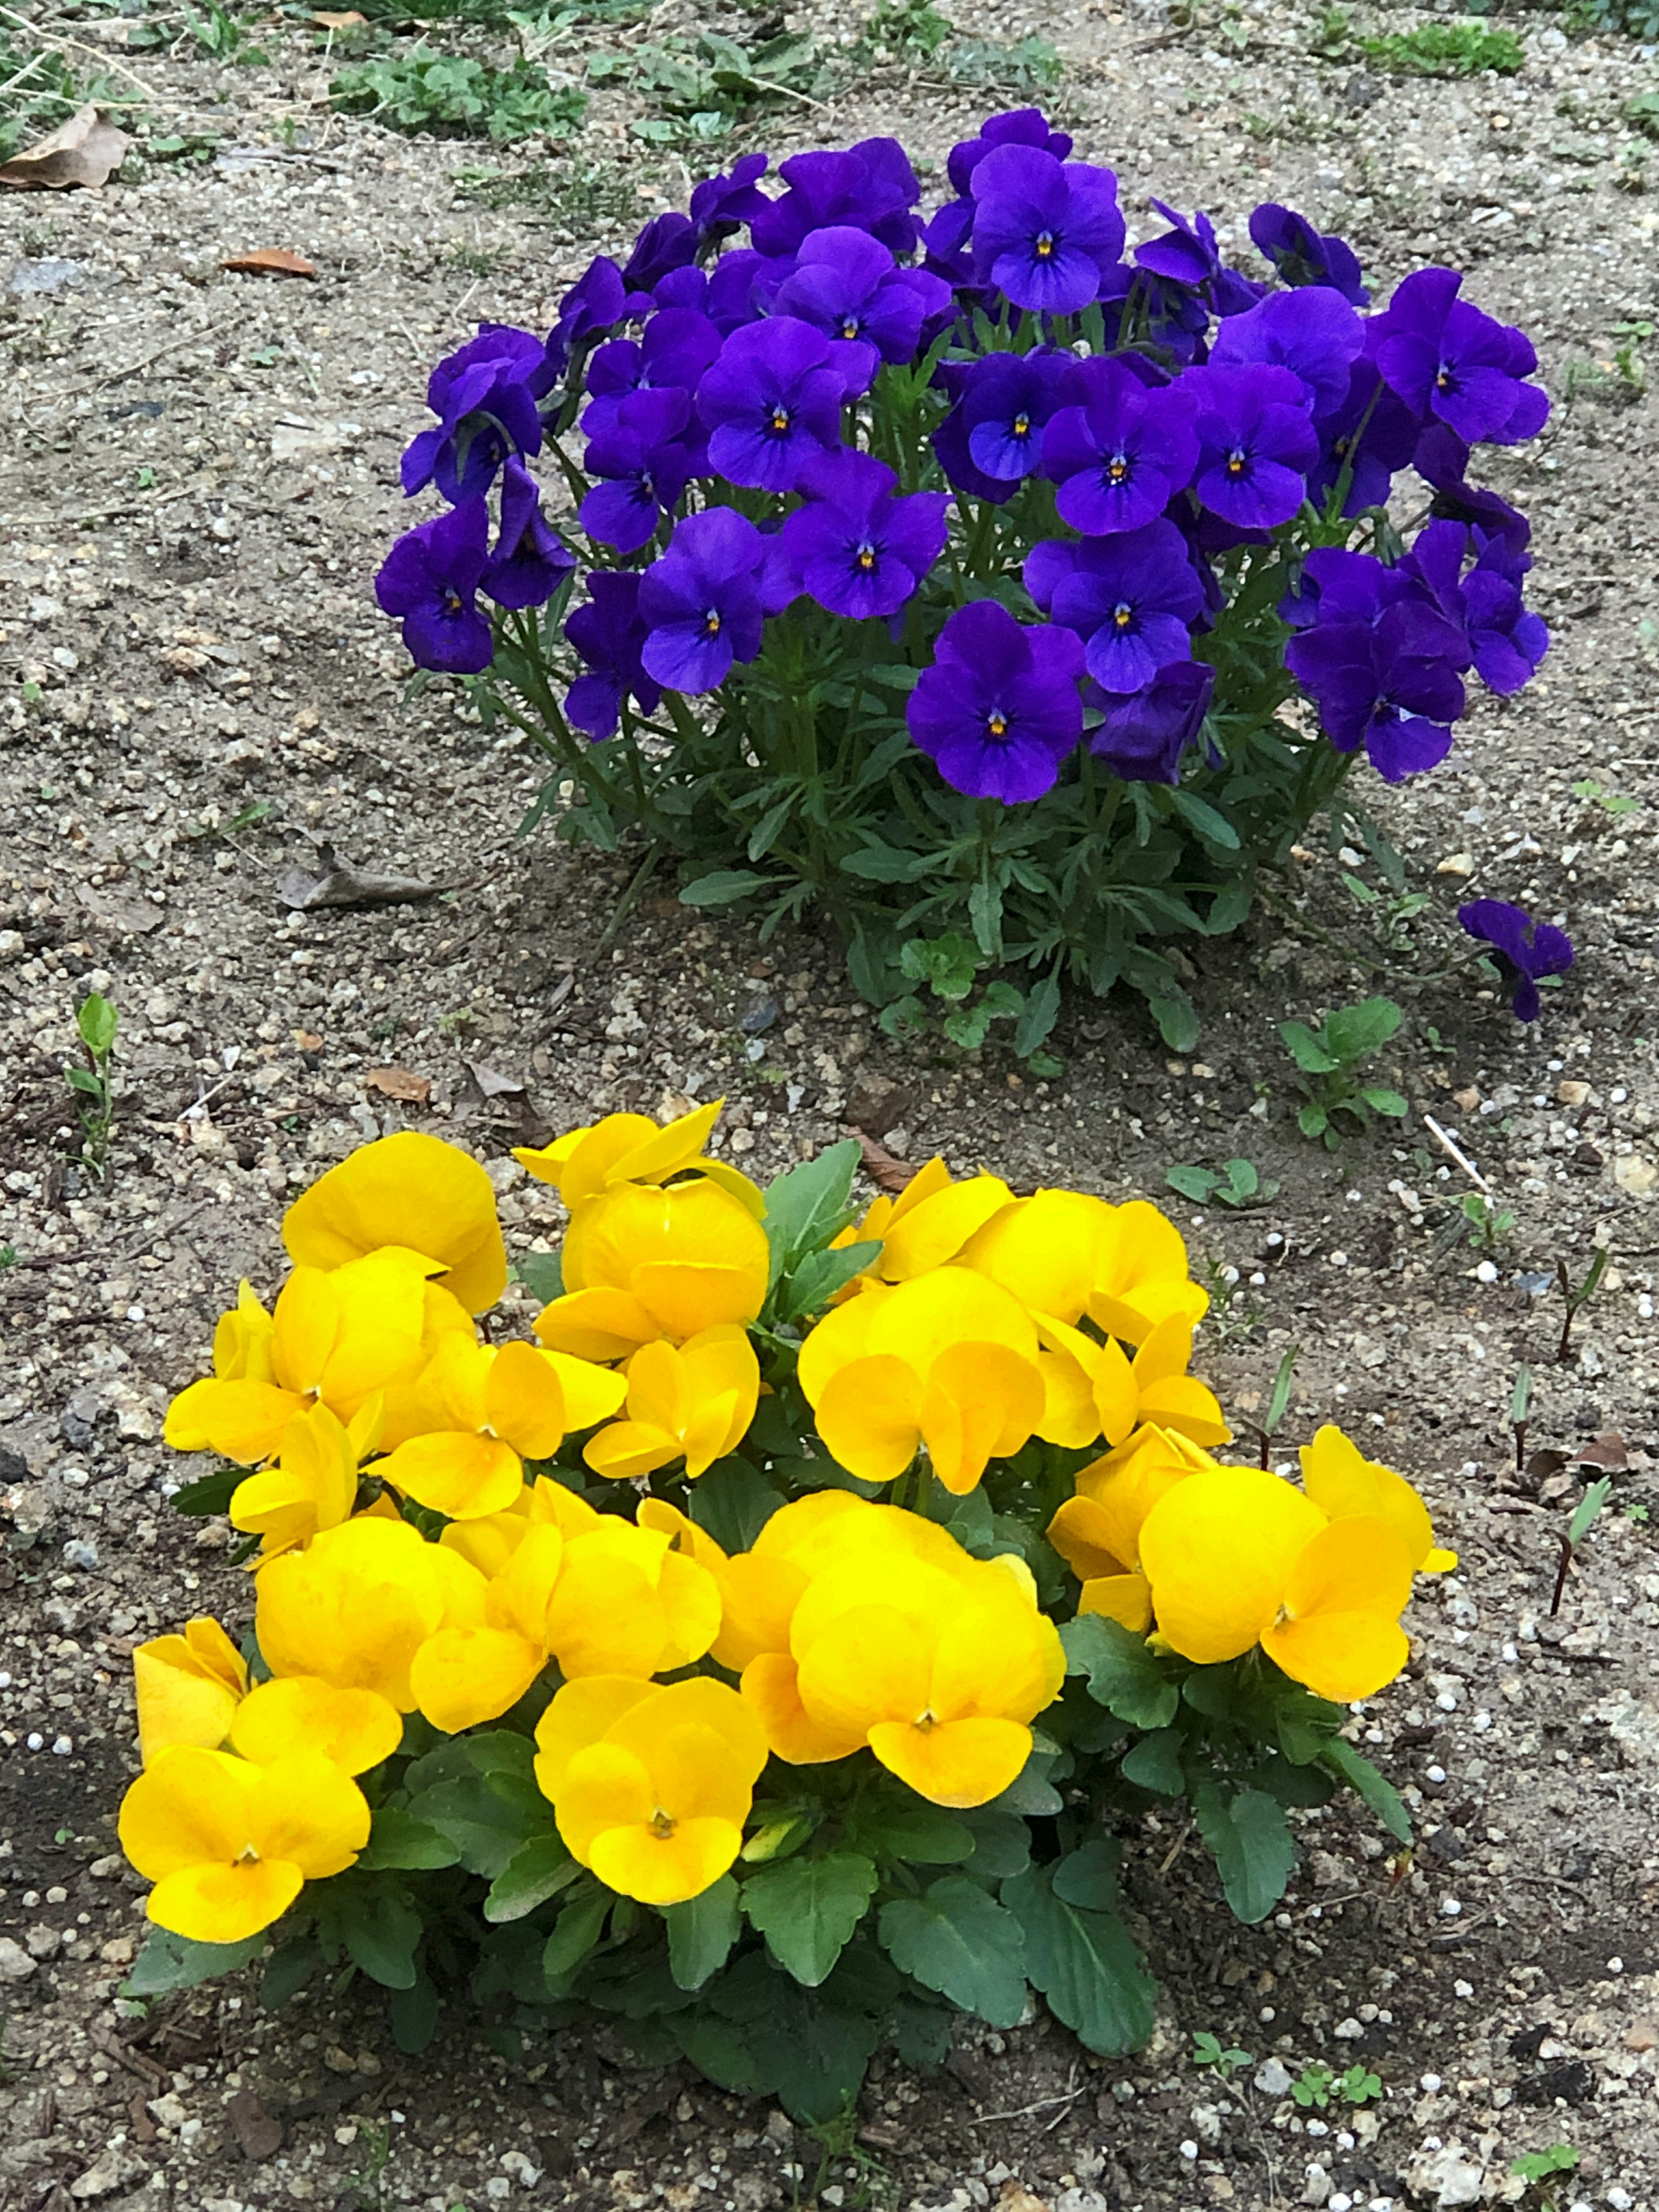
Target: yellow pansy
(650, 1786)
(188, 1688)
(1046, 1249)
(314, 1485)
(1142, 1279)
(1093, 1389)
(641, 1262)
(334, 1339)
(948, 1359)
(1097, 1532)
(693, 1403)
(483, 1412)
(355, 1728)
(1217, 1550)
(408, 1189)
(929, 1225)
(1338, 1627)
(1338, 1477)
(586, 1163)
(229, 1845)
(357, 1607)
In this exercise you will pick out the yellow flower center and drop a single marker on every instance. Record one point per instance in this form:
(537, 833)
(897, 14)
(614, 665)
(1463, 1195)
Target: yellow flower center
(997, 724)
(849, 328)
(1117, 468)
(866, 557)
(1122, 615)
(779, 419)
(246, 1857)
(1022, 425)
(1045, 245)
(661, 1824)
(711, 623)
(1236, 462)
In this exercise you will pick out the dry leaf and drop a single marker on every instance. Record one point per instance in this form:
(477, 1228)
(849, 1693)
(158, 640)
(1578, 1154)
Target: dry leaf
(340, 884)
(1609, 1452)
(271, 260)
(886, 1172)
(307, 1040)
(345, 19)
(491, 1082)
(259, 2132)
(400, 1083)
(85, 151)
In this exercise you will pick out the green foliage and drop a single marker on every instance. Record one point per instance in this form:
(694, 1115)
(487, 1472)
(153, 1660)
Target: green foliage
(1590, 788)
(1236, 1183)
(1490, 1226)
(451, 96)
(1313, 2091)
(907, 30)
(1030, 64)
(1464, 48)
(1639, 19)
(1537, 2167)
(95, 1024)
(40, 88)
(221, 36)
(1327, 1062)
(1359, 2085)
(705, 86)
(1209, 2050)
(950, 966)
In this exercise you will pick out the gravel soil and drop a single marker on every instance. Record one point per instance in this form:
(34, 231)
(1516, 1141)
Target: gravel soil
(197, 478)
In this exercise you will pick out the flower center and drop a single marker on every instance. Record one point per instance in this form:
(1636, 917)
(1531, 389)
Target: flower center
(1022, 425)
(246, 1857)
(1442, 381)
(849, 326)
(711, 623)
(1045, 245)
(1123, 614)
(661, 1824)
(1117, 468)
(780, 424)
(925, 1722)
(1236, 461)
(866, 556)
(996, 726)
(452, 600)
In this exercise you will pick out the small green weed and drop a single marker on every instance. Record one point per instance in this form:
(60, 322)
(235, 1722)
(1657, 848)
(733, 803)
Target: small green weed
(424, 93)
(95, 1021)
(1578, 1294)
(1279, 1403)
(1639, 18)
(1489, 1227)
(1209, 2050)
(1610, 802)
(1359, 2085)
(1028, 65)
(906, 30)
(39, 89)
(1328, 1059)
(1537, 2167)
(577, 196)
(950, 967)
(221, 38)
(1236, 1183)
(1462, 49)
(705, 87)
(1642, 113)
(1319, 2085)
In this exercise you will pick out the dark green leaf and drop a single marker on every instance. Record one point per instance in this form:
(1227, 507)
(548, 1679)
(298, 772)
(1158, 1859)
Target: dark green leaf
(1306, 1049)
(288, 1970)
(484, 1828)
(414, 2014)
(1002, 1843)
(732, 1502)
(957, 1940)
(724, 2052)
(541, 1274)
(1352, 1766)
(1211, 824)
(922, 2033)
(83, 1079)
(575, 1932)
(895, 674)
(806, 1207)
(701, 1933)
(1312, 1121)
(1248, 1834)
(1154, 1763)
(885, 864)
(1197, 1183)
(725, 886)
(1041, 1013)
(1031, 1793)
(1087, 1877)
(212, 1493)
(536, 1871)
(1381, 1100)
(1177, 1019)
(382, 1932)
(807, 1909)
(819, 2057)
(891, 1828)
(821, 1274)
(174, 1962)
(398, 1839)
(1123, 1674)
(1354, 1033)
(1086, 1963)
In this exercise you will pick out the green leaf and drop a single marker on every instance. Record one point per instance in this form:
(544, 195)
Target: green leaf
(575, 1932)
(725, 886)
(886, 863)
(1123, 1674)
(701, 1933)
(821, 1274)
(820, 2056)
(414, 2014)
(1002, 1843)
(536, 1871)
(1177, 1017)
(1041, 1013)
(1031, 1793)
(1381, 1100)
(211, 1494)
(924, 1833)
(485, 1829)
(724, 2051)
(1354, 1033)
(1353, 1768)
(288, 1970)
(174, 1962)
(806, 1207)
(382, 1931)
(1307, 1050)
(807, 1910)
(732, 1502)
(922, 2033)
(1251, 1840)
(1197, 1183)
(895, 674)
(83, 1079)
(1210, 822)
(95, 1018)
(1154, 1763)
(957, 1940)
(1086, 1963)
(1312, 1121)
(541, 1274)
(398, 1839)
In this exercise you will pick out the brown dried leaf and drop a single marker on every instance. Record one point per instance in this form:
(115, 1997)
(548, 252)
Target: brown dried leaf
(344, 19)
(259, 2133)
(1547, 1463)
(400, 1083)
(491, 1081)
(340, 884)
(886, 1172)
(1609, 1452)
(86, 151)
(272, 260)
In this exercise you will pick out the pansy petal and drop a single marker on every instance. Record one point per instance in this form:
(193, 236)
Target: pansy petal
(461, 1676)
(1125, 1598)
(1217, 1550)
(1340, 1655)
(958, 1763)
(215, 1903)
(463, 1476)
(869, 1417)
(771, 1686)
(668, 1869)
(354, 1729)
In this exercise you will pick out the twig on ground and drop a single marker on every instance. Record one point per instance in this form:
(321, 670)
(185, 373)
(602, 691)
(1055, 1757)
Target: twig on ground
(1452, 1151)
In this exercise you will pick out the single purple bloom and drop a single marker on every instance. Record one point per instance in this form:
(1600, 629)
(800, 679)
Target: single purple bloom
(1018, 126)
(771, 402)
(1372, 434)
(484, 395)
(1132, 599)
(672, 353)
(722, 204)
(647, 454)
(595, 303)
(609, 634)
(1144, 310)
(1006, 401)
(1313, 332)
(1442, 459)
(1507, 639)
(855, 548)
(686, 288)
(1143, 737)
(702, 602)
(667, 242)
(430, 577)
(947, 251)
(847, 284)
(1255, 443)
(742, 285)
(1045, 232)
(1526, 949)
(1188, 254)
(531, 560)
(1118, 451)
(1435, 564)
(1449, 361)
(870, 186)
(999, 709)
(1302, 255)
(1390, 684)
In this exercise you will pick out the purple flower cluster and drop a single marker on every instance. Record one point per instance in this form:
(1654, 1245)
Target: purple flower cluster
(761, 421)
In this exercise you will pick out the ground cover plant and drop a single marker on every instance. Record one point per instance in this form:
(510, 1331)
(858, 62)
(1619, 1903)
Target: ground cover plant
(758, 1659)
(974, 577)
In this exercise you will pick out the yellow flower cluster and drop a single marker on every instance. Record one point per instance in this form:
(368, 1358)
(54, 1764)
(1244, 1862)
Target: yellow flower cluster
(1223, 1559)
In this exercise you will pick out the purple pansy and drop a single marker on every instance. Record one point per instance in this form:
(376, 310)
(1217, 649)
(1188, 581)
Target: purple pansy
(531, 560)
(1004, 404)
(677, 345)
(1142, 310)
(1255, 443)
(596, 302)
(1372, 434)
(1507, 639)
(647, 454)
(610, 636)
(1143, 737)
(703, 604)
(1313, 332)
(1016, 126)
(722, 204)
(871, 186)
(1118, 452)
(1000, 709)
(858, 549)
(1454, 364)
(1381, 660)
(1526, 949)
(430, 577)
(1442, 459)
(847, 284)
(484, 395)
(1132, 599)
(667, 242)
(1045, 231)
(1187, 253)
(1302, 255)
(772, 402)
